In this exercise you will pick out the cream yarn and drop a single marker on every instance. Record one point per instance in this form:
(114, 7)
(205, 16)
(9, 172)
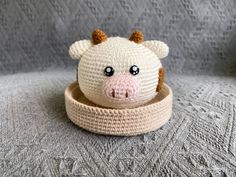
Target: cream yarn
(110, 121)
(121, 54)
(119, 73)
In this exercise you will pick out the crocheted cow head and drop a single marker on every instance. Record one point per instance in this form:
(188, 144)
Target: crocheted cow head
(118, 72)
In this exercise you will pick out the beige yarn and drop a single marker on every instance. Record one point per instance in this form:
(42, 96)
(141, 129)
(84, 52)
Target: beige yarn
(158, 47)
(78, 48)
(127, 122)
(121, 54)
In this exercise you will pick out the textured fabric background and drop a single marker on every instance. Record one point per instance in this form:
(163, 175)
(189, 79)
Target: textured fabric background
(37, 138)
(37, 34)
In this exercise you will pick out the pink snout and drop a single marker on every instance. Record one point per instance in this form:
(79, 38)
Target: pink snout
(121, 87)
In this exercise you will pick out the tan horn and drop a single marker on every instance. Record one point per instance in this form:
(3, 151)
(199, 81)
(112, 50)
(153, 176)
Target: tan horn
(137, 37)
(98, 36)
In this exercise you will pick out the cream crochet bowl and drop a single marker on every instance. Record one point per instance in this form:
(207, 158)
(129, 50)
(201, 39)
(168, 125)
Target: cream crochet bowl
(121, 122)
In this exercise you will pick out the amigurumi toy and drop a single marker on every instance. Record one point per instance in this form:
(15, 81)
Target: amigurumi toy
(117, 72)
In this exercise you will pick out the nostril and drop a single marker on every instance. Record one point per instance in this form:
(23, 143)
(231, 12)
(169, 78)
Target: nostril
(126, 94)
(113, 93)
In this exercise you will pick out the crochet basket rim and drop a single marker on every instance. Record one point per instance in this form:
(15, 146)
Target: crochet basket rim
(120, 122)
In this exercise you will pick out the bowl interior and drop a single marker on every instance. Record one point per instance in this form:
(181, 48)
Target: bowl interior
(78, 96)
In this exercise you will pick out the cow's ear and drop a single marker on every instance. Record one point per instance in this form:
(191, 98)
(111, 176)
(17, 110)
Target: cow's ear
(158, 47)
(78, 48)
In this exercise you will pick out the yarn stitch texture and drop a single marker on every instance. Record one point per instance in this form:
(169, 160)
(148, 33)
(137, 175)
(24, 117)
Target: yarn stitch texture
(125, 122)
(120, 54)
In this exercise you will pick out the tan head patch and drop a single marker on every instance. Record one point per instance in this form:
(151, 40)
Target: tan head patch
(77, 74)
(137, 37)
(98, 36)
(161, 79)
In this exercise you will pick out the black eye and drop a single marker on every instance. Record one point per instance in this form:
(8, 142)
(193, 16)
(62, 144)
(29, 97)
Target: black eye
(109, 71)
(134, 70)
